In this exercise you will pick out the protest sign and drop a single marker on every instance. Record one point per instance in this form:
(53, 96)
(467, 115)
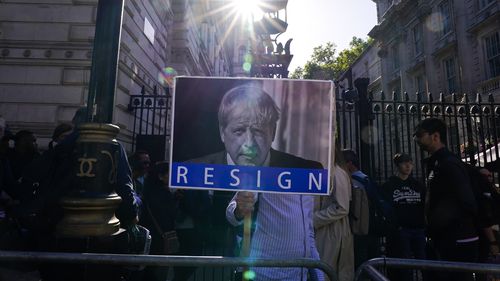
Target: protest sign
(253, 134)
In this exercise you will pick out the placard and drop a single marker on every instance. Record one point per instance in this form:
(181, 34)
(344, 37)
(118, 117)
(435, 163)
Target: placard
(253, 134)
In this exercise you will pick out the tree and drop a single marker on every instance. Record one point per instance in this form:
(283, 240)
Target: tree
(298, 73)
(325, 64)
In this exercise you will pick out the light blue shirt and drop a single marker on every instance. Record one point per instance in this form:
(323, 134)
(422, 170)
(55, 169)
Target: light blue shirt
(283, 230)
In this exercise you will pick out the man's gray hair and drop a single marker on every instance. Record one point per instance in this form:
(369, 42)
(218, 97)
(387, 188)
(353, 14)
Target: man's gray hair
(252, 98)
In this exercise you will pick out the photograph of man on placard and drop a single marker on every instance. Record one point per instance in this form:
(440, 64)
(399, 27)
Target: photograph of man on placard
(272, 137)
(252, 123)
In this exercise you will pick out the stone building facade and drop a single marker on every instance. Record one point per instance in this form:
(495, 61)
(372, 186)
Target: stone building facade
(437, 46)
(46, 50)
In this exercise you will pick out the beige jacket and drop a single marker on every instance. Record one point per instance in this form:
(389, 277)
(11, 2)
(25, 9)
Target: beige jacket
(331, 223)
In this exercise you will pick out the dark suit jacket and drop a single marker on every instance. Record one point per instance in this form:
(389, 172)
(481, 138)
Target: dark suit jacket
(222, 198)
(278, 159)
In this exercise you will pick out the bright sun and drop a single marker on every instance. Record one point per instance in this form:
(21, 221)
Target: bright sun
(248, 8)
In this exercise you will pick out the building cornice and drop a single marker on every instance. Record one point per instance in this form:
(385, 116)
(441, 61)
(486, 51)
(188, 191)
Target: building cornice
(485, 17)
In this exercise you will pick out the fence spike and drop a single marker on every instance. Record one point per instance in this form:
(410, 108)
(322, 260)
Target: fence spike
(382, 95)
(143, 90)
(394, 95)
(441, 97)
(454, 97)
(406, 96)
(155, 91)
(490, 98)
(478, 98)
(429, 97)
(419, 96)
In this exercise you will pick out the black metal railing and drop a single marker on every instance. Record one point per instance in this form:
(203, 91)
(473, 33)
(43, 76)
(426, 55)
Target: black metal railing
(151, 125)
(473, 128)
(373, 267)
(152, 260)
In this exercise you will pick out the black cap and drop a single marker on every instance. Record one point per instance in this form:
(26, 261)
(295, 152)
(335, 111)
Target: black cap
(401, 158)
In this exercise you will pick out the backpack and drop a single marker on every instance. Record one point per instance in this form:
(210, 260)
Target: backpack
(380, 211)
(359, 211)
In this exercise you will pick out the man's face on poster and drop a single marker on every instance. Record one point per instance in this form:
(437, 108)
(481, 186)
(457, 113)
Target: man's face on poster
(247, 140)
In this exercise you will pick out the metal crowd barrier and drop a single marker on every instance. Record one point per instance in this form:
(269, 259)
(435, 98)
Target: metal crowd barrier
(153, 260)
(369, 267)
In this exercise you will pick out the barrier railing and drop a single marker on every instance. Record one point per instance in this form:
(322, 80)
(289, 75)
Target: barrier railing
(152, 260)
(369, 267)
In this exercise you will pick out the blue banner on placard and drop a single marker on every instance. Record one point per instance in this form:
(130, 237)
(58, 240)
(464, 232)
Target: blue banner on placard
(269, 179)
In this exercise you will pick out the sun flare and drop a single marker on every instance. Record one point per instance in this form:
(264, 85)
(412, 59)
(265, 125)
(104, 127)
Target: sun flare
(248, 8)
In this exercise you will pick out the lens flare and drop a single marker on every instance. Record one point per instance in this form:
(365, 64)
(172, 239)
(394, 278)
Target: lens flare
(247, 65)
(249, 275)
(433, 22)
(166, 76)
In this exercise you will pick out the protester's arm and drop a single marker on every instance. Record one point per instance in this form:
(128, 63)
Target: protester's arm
(128, 210)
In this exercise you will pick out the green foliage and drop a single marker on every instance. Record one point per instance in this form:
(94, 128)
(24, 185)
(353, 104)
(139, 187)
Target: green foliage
(298, 73)
(326, 64)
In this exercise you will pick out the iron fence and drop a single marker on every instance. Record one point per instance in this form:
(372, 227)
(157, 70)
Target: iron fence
(473, 128)
(151, 126)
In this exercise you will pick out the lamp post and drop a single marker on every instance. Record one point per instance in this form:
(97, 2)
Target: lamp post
(90, 205)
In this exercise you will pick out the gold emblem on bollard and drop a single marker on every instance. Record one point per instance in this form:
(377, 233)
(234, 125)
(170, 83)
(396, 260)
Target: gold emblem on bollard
(114, 169)
(86, 166)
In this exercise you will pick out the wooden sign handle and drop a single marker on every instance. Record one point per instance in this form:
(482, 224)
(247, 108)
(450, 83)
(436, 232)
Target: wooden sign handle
(245, 248)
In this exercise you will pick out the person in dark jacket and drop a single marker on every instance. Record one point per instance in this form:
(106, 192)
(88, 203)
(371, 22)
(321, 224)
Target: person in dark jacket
(451, 208)
(490, 216)
(60, 133)
(24, 152)
(158, 215)
(407, 197)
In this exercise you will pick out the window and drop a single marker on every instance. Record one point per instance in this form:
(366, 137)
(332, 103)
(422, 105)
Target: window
(395, 57)
(492, 45)
(241, 54)
(450, 75)
(484, 3)
(445, 17)
(417, 39)
(420, 84)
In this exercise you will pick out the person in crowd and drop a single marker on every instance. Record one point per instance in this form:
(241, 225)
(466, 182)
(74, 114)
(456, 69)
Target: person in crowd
(247, 124)
(24, 151)
(494, 192)
(7, 182)
(4, 137)
(490, 217)
(191, 224)
(365, 246)
(451, 208)
(407, 197)
(60, 133)
(158, 215)
(140, 163)
(331, 222)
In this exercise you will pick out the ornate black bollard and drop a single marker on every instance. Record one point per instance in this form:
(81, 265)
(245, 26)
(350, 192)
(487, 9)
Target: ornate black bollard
(90, 206)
